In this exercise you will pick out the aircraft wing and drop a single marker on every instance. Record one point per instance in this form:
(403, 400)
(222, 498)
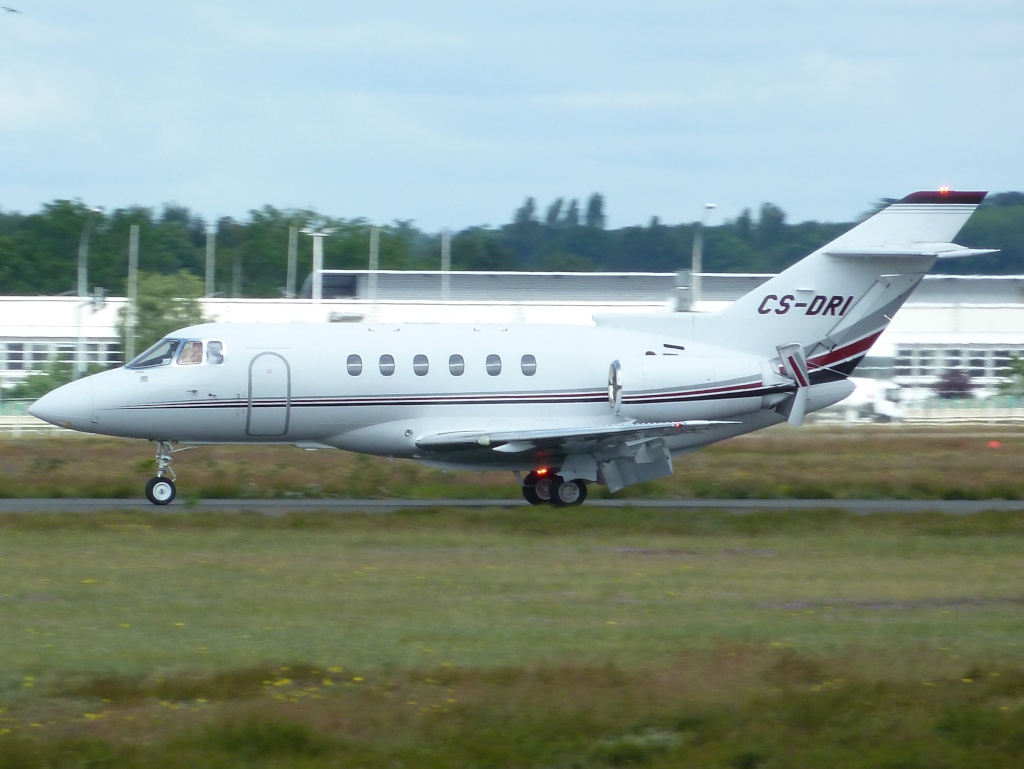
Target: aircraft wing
(574, 439)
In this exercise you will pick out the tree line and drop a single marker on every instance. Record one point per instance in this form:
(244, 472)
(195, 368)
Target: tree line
(38, 251)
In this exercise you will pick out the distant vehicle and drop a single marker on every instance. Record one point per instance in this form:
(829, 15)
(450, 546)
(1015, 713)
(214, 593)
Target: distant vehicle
(874, 400)
(560, 406)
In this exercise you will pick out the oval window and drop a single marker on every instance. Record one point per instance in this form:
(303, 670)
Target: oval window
(420, 365)
(355, 365)
(529, 364)
(457, 365)
(387, 365)
(494, 365)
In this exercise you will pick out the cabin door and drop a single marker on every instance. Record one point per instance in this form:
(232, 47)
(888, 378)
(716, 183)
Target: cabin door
(270, 395)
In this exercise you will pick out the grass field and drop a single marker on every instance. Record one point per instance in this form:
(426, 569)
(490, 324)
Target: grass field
(519, 638)
(825, 462)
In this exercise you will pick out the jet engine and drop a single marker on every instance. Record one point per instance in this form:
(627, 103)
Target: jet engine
(658, 388)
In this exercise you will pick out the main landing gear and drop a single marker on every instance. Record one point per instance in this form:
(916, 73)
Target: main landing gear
(551, 489)
(161, 490)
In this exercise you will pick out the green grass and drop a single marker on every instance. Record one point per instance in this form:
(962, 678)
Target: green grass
(533, 637)
(832, 462)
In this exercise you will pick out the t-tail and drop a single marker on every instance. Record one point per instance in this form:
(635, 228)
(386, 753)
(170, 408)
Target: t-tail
(830, 307)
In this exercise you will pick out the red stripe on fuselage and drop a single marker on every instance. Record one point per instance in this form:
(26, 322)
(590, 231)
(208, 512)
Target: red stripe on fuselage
(859, 347)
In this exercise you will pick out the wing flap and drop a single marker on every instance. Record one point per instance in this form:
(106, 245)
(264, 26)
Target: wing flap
(581, 438)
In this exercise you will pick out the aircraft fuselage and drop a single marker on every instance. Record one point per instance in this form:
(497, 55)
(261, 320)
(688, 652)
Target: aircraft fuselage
(377, 389)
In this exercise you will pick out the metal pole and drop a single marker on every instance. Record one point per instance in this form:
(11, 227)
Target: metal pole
(133, 293)
(293, 257)
(696, 266)
(446, 263)
(211, 239)
(318, 260)
(318, 266)
(83, 283)
(374, 264)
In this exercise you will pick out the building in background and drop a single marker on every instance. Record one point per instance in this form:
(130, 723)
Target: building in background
(973, 323)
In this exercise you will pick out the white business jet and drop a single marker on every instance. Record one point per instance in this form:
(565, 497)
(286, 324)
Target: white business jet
(561, 406)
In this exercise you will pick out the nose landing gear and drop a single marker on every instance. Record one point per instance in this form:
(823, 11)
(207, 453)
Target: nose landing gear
(161, 490)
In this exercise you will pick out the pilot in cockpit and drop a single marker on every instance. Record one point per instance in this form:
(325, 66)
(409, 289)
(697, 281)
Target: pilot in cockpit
(191, 353)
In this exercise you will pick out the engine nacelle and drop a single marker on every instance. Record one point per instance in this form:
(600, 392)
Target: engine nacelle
(660, 388)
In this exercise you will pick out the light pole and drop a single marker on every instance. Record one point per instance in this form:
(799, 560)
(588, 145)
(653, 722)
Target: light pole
(83, 283)
(318, 259)
(371, 288)
(698, 248)
(446, 263)
(211, 257)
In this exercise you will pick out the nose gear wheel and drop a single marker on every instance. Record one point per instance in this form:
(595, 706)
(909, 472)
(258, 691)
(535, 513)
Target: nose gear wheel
(161, 490)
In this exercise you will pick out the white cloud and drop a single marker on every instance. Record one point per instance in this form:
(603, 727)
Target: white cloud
(452, 112)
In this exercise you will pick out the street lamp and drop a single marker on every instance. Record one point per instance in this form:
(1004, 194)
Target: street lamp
(698, 247)
(318, 259)
(83, 287)
(211, 258)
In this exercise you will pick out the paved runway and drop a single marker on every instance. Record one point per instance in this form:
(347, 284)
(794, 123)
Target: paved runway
(349, 506)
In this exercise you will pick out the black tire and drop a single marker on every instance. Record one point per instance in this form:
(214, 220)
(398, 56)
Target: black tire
(160, 491)
(529, 489)
(569, 493)
(544, 488)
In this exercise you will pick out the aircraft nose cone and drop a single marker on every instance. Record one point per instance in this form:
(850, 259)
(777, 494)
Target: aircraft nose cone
(68, 406)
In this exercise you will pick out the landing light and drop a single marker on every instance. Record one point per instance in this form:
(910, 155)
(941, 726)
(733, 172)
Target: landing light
(944, 190)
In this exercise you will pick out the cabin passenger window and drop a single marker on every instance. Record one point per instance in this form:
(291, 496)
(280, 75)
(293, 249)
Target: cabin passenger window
(494, 365)
(420, 365)
(457, 365)
(529, 365)
(387, 365)
(159, 354)
(215, 353)
(191, 354)
(354, 365)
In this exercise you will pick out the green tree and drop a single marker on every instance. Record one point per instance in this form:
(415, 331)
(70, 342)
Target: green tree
(38, 383)
(954, 384)
(1014, 382)
(554, 213)
(165, 304)
(572, 214)
(475, 250)
(526, 213)
(595, 211)
(51, 376)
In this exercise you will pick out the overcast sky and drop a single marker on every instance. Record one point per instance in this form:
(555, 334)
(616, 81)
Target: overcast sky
(452, 112)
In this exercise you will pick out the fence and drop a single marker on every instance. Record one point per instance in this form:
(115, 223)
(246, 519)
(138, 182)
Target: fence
(15, 421)
(1003, 409)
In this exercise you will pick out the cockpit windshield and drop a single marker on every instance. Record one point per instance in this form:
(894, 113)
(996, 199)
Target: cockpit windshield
(159, 354)
(188, 352)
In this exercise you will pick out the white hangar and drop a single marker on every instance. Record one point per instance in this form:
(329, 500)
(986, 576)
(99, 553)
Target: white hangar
(975, 323)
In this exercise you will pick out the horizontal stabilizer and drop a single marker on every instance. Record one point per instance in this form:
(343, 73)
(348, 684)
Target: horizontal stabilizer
(516, 441)
(911, 250)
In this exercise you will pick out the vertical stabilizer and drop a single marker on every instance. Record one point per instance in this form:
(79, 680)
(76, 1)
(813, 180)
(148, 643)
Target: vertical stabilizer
(836, 302)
